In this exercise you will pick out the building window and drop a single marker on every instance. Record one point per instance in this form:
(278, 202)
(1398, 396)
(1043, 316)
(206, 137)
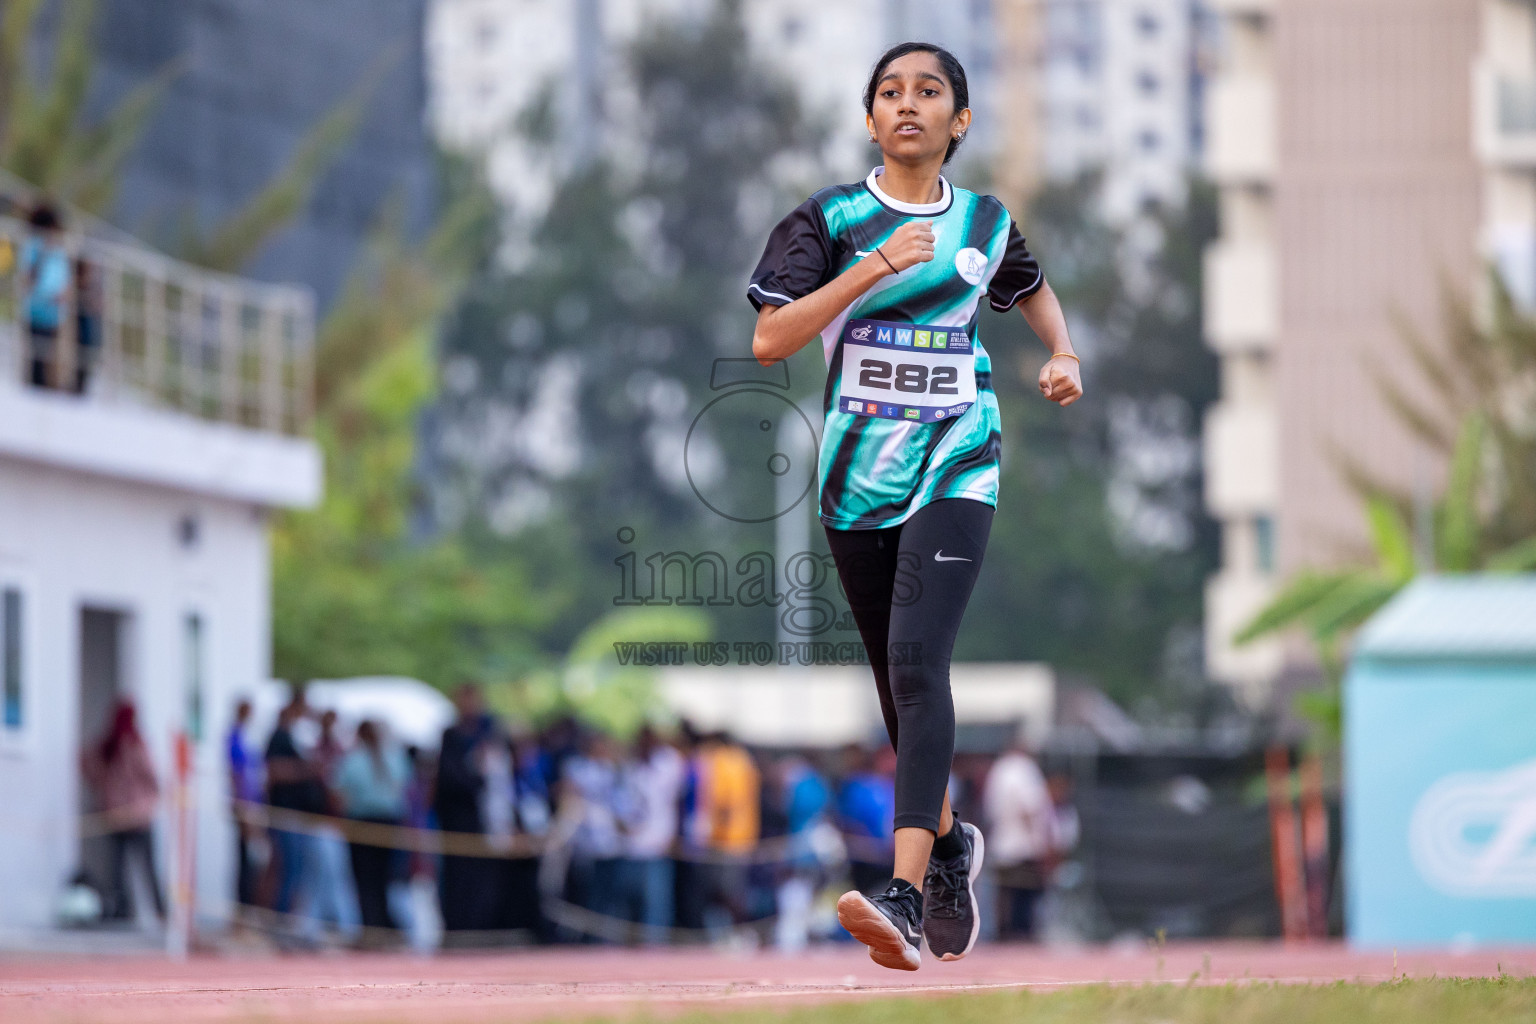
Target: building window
(1148, 83)
(1264, 544)
(485, 33)
(10, 657)
(1147, 23)
(192, 643)
(1149, 141)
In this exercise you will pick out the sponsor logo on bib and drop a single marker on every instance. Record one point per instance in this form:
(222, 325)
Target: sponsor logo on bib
(922, 339)
(970, 264)
(911, 414)
(903, 337)
(940, 339)
(883, 335)
(860, 333)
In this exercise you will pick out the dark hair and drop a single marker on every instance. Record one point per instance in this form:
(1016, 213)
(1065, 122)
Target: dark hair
(44, 217)
(947, 63)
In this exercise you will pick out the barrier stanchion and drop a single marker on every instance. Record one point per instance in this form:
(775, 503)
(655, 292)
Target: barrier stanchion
(1289, 888)
(178, 936)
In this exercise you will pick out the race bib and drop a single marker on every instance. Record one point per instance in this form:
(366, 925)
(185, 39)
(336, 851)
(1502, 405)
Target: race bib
(906, 371)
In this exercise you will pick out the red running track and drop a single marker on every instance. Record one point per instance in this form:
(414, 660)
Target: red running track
(550, 984)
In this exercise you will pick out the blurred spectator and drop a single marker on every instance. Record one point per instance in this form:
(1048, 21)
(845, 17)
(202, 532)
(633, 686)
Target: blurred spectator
(45, 269)
(371, 781)
(532, 812)
(245, 788)
(806, 802)
(592, 779)
(333, 894)
(688, 871)
(1018, 810)
(293, 784)
(119, 770)
(729, 808)
(88, 302)
(1066, 828)
(655, 783)
(866, 811)
(467, 886)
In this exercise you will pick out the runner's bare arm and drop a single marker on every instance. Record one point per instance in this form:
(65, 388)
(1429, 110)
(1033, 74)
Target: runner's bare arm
(1061, 380)
(784, 330)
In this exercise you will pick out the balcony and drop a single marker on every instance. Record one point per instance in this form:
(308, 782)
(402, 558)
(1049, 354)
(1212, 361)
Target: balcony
(1242, 296)
(1504, 117)
(1242, 460)
(139, 329)
(1241, 123)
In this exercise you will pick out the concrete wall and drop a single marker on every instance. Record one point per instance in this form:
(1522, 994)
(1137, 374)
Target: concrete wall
(69, 540)
(1377, 201)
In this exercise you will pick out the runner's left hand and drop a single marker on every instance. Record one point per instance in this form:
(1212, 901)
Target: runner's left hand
(1061, 381)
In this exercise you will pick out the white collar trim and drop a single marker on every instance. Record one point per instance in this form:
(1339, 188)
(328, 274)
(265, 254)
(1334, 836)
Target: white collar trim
(946, 195)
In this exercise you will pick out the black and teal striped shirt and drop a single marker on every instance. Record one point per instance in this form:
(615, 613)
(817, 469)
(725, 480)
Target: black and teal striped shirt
(876, 472)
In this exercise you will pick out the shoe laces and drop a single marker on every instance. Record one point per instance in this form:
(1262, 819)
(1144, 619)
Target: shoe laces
(947, 881)
(909, 904)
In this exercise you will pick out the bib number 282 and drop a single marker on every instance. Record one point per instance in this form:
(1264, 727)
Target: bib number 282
(912, 378)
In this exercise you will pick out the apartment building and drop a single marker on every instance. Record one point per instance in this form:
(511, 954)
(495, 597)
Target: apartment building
(1352, 184)
(1117, 92)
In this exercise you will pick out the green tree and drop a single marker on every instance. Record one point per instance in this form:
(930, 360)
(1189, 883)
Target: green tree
(1100, 550)
(600, 344)
(353, 592)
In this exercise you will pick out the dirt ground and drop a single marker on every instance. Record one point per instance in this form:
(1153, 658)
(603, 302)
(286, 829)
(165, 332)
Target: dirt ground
(539, 985)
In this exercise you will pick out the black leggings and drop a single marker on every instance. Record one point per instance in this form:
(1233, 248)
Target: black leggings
(907, 587)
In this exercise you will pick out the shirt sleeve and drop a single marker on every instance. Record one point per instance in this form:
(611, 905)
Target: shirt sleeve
(1019, 277)
(796, 261)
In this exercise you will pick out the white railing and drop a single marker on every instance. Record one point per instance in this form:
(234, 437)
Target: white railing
(147, 329)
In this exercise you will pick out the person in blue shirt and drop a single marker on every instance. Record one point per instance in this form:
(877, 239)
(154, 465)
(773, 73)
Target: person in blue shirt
(45, 269)
(371, 780)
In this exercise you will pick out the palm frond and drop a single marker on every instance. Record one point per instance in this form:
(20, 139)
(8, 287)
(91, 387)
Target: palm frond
(15, 34)
(1294, 601)
(241, 237)
(1391, 537)
(1459, 530)
(42, 129)
(95, 156)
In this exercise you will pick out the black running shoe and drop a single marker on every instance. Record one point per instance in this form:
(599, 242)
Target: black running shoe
(951, 923)
(890, 924)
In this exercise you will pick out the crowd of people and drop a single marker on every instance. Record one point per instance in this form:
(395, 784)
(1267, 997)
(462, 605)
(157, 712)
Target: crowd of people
(562, 834)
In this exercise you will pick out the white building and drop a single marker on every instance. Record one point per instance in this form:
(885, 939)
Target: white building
(134, 554)
(1119, 90)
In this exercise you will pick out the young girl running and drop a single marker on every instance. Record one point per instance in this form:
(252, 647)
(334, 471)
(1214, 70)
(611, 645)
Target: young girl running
(889, 273)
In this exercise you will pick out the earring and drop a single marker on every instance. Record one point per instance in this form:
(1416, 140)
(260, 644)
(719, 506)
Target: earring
(871, 136)
(960, 137)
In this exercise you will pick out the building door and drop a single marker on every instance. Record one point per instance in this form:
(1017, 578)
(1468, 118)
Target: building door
(102, 657)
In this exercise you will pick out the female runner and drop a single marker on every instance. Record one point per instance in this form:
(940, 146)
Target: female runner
(889, 273)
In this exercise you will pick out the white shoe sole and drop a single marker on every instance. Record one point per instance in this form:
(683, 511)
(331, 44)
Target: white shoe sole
(887, 946)
(978, 852)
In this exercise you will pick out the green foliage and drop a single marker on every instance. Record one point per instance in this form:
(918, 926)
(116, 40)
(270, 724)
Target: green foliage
(353, 593)
(43, 136)
(1065, 581)
(622, 291)
(592, 684)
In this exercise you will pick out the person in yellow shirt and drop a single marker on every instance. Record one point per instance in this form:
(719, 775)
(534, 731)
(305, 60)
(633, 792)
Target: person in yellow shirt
(728, 815)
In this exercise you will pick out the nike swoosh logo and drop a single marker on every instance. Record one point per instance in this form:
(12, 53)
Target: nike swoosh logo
(939, 557)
